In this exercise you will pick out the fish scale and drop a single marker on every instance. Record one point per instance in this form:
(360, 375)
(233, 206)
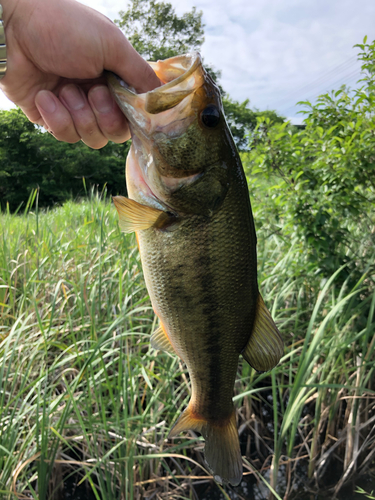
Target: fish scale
(189, 205)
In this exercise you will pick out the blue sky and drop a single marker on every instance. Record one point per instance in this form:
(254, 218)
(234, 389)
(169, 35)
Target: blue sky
(276, 52)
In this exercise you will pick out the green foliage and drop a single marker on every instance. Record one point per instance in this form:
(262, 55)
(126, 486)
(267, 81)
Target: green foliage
(321, 187)
(367, 495)
(156, 32)
(242, 120)
(30, 158)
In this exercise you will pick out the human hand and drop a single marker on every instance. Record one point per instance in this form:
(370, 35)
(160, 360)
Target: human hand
(57, 51)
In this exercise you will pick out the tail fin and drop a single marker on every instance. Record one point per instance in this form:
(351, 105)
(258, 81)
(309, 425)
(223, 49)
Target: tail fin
(222, 451)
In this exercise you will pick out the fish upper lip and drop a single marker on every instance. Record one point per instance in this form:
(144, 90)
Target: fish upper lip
(195, 61)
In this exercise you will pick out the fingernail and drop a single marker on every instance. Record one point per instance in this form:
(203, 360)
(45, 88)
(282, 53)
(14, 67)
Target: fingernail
(101, 99)
(46, 101)
(73, 97)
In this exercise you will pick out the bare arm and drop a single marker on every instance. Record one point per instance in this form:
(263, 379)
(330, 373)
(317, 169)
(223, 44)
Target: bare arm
(57, 51)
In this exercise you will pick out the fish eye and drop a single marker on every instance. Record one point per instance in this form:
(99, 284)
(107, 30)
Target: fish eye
(210, 116)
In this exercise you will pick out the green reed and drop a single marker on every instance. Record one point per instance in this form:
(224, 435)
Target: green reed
(82, 394)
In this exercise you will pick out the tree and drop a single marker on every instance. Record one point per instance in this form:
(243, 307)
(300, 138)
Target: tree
(31, 158)
(156, 32)
(242, 120)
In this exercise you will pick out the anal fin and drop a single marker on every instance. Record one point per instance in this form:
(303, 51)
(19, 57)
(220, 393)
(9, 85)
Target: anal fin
(134, 216)
(160, 341)
(265, 346)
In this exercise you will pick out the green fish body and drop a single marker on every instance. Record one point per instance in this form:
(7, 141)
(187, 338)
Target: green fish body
(189, 205)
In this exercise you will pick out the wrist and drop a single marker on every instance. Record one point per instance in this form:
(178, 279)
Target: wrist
(3, 49)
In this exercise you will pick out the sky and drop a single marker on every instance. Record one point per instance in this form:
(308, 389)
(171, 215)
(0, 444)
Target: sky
(276, 52)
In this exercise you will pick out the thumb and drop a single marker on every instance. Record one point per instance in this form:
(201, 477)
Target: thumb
(121, 58)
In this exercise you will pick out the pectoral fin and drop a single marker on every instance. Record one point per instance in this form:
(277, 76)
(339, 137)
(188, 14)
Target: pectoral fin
(134, 216)
(265, 346)
(160, 341)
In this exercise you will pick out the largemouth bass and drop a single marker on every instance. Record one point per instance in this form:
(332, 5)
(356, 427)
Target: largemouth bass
(189, 205)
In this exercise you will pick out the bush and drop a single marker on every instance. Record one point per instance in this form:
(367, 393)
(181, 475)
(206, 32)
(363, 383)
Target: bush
(321, 179)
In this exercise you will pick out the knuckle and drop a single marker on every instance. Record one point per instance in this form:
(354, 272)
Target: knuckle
(64, 130)
(114, 127)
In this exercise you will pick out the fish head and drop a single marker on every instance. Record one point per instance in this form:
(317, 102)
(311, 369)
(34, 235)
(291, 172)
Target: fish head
(181, 143)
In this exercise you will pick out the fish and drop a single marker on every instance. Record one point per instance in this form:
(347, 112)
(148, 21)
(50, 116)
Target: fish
(188, 203)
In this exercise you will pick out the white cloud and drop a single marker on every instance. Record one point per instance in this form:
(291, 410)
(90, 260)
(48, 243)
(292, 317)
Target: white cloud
(272, 52)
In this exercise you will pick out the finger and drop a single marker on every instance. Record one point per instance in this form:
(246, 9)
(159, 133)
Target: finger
(121, 58)
(83, 116)
(138, 72)
(110, 118)
(56, 117)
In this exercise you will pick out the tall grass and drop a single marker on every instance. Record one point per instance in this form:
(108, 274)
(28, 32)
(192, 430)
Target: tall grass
(84, 398)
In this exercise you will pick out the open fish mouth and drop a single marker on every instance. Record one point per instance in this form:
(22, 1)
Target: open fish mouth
(180, 76)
